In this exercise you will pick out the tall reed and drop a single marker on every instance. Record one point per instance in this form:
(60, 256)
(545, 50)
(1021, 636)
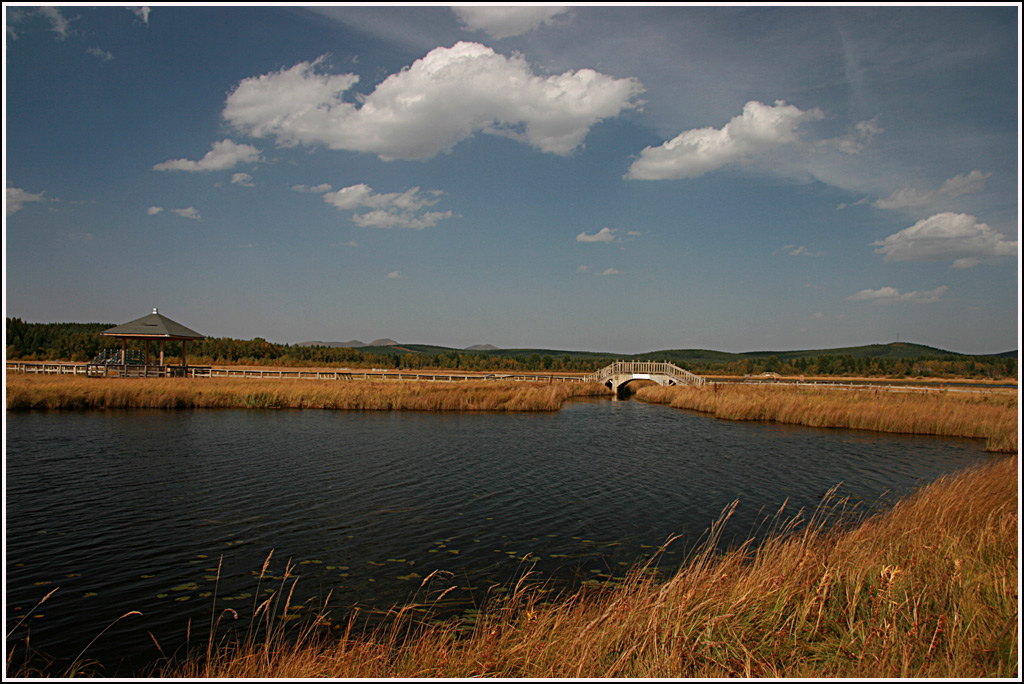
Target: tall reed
(990, 416)
(70, 392)
(927, 589)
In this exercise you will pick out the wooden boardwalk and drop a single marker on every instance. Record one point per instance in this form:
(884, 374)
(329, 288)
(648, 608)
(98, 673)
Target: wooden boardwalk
(151, 371)
(618, 370)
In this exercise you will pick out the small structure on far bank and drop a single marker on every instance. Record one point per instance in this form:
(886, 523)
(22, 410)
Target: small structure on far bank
(125, 362)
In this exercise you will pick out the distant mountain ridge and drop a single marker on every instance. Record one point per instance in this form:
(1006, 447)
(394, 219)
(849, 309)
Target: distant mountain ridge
(383, 342)
(892, 350)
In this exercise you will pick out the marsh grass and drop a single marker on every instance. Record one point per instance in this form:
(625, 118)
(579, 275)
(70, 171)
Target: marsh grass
(926, 589)
(993, 417)
(26, 392)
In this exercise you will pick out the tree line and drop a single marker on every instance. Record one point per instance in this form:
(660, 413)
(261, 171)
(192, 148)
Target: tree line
(81, 342)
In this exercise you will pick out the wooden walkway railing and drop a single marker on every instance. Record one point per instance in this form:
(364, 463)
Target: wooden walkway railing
(141, 370)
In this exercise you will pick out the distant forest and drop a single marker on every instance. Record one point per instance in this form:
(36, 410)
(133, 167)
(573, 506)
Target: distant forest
(81, 342)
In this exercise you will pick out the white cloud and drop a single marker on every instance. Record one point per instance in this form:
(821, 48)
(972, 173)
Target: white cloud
(77, 238)
(188, 212)
(389, 210)
(606, 272)
(384, 218)
(18, 198)
(323, 187)
(141, 12)
(447, 96)
(223, 155)
(362, 195)
(395, 275)
(890, 295)
(59, 24)
(960, 238)
(242, 179)
(153, 211)
(692, 153)
(603, 235)
(844, 205)
(100, 54)
(504, 22)
(961, 184)
(857, 140)
(793, 250)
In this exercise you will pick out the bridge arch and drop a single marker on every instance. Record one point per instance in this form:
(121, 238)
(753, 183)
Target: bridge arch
(616, 375)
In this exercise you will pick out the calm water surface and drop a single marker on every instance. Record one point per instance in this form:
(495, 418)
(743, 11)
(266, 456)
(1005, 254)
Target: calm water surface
(135, 510)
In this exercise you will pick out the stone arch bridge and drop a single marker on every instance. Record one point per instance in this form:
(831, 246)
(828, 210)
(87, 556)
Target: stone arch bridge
(619, 373)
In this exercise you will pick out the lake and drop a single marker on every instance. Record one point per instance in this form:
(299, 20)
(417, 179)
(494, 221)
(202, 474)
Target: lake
(136, 510)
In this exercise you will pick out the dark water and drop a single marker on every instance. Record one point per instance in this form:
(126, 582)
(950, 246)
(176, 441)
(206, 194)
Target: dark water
(135, 510)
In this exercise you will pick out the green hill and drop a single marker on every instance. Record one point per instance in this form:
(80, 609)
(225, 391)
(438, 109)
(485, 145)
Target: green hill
(895, 350)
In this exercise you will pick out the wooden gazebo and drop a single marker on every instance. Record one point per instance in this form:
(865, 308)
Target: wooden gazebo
(154, 326)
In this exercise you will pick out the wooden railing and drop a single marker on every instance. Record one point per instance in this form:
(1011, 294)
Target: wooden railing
(142, 370)
(47, 368)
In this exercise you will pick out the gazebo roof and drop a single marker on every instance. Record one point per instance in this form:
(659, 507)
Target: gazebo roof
(154, 325)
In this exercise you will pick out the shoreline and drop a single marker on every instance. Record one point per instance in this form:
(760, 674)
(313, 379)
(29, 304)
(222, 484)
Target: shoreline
(990, 416)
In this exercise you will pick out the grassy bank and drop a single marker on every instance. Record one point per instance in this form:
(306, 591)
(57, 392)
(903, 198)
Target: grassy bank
(26, 392)
(927, 589)
(993, 417)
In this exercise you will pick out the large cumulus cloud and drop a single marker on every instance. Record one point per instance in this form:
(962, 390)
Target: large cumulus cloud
(959, 238)
(692, 153)
(447, 96)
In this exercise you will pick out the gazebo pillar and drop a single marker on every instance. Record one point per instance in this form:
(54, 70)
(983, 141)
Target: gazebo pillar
(161, 352)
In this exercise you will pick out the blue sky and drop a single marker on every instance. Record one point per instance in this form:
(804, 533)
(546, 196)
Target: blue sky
(614, 179)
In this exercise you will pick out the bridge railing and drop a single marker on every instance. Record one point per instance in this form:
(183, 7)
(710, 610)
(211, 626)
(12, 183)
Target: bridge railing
(646, 368)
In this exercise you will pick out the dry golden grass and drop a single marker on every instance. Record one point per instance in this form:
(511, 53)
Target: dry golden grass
(75, 392)
(927, 589)
(990, 416)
